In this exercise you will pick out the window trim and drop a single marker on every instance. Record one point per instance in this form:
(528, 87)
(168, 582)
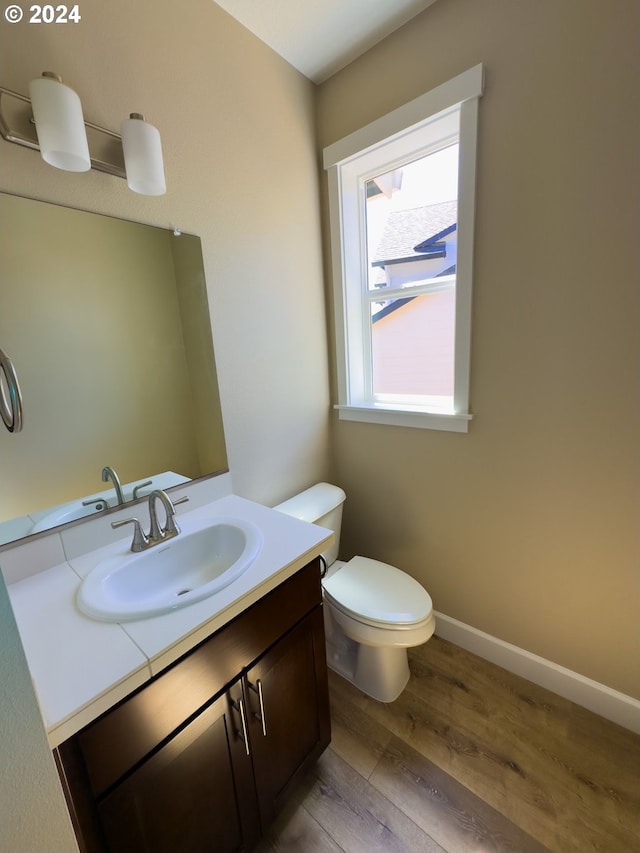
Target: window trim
(461, 95)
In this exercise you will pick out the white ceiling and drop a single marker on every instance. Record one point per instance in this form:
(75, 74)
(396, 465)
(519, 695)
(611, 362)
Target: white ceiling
(319, 37)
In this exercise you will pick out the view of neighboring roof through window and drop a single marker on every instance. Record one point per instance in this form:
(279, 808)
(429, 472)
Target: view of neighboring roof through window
(409, 211)
(411, 222)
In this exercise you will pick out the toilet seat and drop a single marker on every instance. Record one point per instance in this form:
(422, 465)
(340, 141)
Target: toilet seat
(378, 594)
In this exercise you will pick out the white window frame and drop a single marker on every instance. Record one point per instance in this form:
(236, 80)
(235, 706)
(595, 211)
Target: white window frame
(349, 162)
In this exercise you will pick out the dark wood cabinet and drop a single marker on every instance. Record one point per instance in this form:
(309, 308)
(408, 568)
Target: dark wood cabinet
(203, 756)
(191, 795)
(289, 721)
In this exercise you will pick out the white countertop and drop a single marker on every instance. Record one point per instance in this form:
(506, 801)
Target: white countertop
(81, 667)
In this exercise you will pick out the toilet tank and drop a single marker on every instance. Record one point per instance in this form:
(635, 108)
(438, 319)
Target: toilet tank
(321, 504)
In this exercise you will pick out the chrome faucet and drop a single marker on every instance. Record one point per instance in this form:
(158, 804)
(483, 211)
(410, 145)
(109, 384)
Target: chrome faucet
(109, 474)
(141, 540)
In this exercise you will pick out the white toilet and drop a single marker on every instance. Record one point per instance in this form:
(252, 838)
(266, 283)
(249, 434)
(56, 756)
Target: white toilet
(373, 611)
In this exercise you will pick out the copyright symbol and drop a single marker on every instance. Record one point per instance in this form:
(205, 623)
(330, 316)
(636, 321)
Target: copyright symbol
(13, 14)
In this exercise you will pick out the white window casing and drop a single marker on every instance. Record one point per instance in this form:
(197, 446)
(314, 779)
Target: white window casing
(447, 112)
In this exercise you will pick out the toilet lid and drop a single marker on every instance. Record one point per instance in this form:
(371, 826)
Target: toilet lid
(378, 593)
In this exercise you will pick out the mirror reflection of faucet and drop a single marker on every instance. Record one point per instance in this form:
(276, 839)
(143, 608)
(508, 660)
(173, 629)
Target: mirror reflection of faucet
(109, 474)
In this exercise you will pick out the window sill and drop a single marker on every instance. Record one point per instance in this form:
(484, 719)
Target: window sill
(397, 417)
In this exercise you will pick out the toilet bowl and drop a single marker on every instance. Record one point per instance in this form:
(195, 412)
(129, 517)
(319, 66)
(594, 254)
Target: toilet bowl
(373, 611)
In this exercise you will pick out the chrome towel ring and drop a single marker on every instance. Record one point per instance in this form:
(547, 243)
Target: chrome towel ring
(10, 396)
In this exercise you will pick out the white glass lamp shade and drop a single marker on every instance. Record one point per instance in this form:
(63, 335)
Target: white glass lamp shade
(62, 136)
(143, 156)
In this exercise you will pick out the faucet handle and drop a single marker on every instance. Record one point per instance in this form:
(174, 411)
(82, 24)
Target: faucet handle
(101, 503)
(136, 490)
(140, 538)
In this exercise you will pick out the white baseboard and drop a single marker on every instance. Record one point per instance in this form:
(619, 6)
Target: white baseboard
(602, 700)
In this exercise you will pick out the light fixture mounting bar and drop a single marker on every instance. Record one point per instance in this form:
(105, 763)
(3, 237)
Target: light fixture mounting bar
(16, 125)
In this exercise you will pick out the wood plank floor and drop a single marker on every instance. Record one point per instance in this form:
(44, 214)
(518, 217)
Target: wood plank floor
(469, 759)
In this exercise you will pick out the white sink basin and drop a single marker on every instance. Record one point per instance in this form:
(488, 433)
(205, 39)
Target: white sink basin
(206, 556)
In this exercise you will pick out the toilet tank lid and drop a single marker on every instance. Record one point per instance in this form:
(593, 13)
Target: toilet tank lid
(313, 503)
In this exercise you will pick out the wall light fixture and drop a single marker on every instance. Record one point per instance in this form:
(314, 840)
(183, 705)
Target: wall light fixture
(51, 121)
(143, 156)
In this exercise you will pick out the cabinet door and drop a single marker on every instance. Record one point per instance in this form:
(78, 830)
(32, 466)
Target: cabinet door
(194, 794)
(287, 696)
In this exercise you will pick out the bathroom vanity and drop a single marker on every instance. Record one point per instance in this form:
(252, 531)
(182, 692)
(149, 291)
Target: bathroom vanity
(228, 709)
(201, 758)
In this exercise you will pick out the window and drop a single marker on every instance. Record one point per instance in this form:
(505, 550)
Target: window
(401, 209)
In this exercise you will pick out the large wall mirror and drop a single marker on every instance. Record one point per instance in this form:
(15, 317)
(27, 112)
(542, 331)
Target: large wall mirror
(107, 324)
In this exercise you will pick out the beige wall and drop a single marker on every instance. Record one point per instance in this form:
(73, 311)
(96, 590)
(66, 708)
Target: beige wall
(238, 139)
(527, 527)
